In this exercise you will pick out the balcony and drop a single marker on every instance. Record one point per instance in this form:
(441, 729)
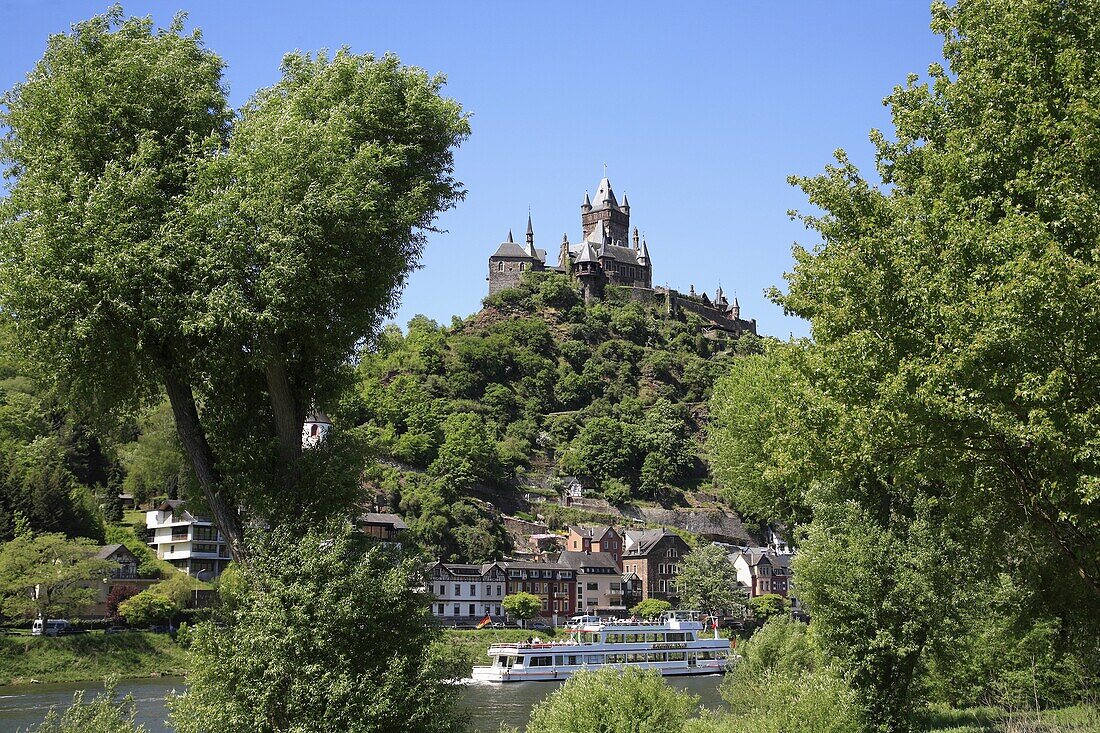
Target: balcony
(180, 537)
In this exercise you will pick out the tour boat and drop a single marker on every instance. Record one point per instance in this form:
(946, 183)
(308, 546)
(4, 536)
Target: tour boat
(676, 644)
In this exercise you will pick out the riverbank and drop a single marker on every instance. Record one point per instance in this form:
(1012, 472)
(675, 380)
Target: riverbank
(84, 657)
(138, 654)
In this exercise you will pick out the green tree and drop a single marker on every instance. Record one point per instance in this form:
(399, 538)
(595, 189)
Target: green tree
(522, 605)
(148, 608)
(154, 463)
(178, 239)
(708, 582)
(468, 454)
(651, 608)
(332, 635)
(49, 575)
(613, 701)
(769, 605)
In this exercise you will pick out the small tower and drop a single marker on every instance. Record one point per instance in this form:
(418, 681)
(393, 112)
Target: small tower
(315, 428)
(563, 256)
(635, 238)
(607, 212)
(588, 271)
(531, 240)
(735, 309)
(586, 205)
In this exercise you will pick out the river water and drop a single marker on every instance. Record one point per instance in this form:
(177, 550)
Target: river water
(489, 704)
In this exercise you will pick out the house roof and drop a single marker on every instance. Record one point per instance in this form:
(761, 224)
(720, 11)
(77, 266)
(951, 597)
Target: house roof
(755, 557)
(389, 520)
(594, 533)
(523, 565)
(642, 543)
(106, 551)
(605, 196)
(511, 249)
(578, 560)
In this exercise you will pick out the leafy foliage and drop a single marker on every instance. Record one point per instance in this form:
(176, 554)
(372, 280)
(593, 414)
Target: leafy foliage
(234, 262)
(522, 605)
(105, 713)
(708, 582)
(613, 701)
(944, 415)
(49, 575)
(148, 608)
(332, 634)
(536, 378)
(651, 608)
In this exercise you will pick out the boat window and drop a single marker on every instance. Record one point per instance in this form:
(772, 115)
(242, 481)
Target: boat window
(636, 657)
(719, 655)
(559, 660)
(656, 656)
(706, 655)
(574, 659)
(616, 658)
(593, 659)
(540, 662)
(676, 656)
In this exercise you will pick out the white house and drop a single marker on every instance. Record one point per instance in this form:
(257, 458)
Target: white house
(465, 594)
(193, 544)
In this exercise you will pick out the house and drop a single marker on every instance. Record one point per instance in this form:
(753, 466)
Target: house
(464, 594)
(654, 556)
(191, 543)
(600, 538)
(385, 527)
(599, 582)
(554, 583)
(763, 570)
(575, 487)
(632, 590)
(126, 571)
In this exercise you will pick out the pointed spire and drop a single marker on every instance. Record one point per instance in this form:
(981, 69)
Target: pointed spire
(587, 205)
(530, 237)
(530, 229)
(587, 254)
(735, 309)
(635, 234)
(626, 204)
(643, 258)
(510, 236)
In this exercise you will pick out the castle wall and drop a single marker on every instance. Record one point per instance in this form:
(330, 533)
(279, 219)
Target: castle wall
(713, 315)
(510, 276)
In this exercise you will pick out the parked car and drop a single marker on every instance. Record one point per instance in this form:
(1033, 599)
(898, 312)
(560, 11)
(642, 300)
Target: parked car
(541, 626)
(48, 627)
(115, 629)
(70, 630)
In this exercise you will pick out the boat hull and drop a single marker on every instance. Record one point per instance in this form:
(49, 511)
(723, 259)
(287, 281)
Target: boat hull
(557, 674)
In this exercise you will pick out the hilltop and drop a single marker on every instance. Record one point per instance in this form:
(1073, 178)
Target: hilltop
(535, 386)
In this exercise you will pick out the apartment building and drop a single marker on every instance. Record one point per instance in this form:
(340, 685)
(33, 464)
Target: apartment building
(191, 543)
(555, 584)
(654, 555)
(763, 570)
(600, 588)
(601, 538)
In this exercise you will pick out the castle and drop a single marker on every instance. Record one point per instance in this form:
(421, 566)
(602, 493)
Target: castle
(603, 257)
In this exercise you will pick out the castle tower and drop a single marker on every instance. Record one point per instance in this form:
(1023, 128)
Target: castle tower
(564, 262)
(531, 240)
(606, 209)
(589, 273)
(735, 309)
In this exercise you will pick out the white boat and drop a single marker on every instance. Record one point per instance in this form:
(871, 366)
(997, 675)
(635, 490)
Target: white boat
(677, 644)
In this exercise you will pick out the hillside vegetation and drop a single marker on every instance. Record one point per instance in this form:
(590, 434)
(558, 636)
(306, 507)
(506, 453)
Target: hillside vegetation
(534, 386)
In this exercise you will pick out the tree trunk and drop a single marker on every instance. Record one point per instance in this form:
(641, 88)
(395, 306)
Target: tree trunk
(195, 445)
(288, 416)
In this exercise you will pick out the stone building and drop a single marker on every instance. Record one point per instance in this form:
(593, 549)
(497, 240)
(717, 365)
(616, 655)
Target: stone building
(654, 555)
(609, 253)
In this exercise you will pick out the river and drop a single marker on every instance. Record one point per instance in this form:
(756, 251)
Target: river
(489, 704)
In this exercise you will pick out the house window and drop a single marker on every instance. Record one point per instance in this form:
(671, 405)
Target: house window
(458, 589)
(472, 609)
(473, 589)
(440, 609)
(522, 266)
(498, 590)
(457, 612)
(500, 267)
(442, 589)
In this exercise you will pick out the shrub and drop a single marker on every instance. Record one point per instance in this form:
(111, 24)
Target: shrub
(613, 701)
(651, 608)
(147, 608)
(104, 714)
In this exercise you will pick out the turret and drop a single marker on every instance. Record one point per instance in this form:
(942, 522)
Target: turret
(735, 309)
(586, 205)
(563, 254)
(635, 235)
(531, 240)
(510, 240)
(625, 207)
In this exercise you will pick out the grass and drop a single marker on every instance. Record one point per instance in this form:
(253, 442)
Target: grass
(1076, 719)
(470, 647)
(87, 657)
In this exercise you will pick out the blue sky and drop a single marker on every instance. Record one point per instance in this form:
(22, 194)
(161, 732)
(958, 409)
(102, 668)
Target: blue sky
(699, 110)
